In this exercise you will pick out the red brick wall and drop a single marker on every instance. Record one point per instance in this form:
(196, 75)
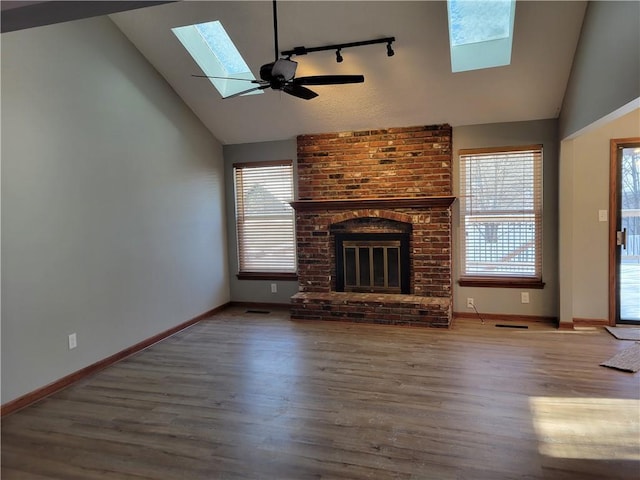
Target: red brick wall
(390, 163)
(394, 162)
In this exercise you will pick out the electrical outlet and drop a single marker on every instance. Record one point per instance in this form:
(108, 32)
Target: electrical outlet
(73, 341)
(274, 288)
(470, 303)
(524, 297)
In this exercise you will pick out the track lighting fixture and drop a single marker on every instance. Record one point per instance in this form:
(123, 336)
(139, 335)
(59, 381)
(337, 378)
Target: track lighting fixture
(304, 50)
(390, 52)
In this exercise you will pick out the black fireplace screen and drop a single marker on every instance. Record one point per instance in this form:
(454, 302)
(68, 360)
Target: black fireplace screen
(376, 262)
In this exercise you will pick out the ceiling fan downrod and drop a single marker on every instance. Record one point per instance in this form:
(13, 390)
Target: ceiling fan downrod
(275, 29)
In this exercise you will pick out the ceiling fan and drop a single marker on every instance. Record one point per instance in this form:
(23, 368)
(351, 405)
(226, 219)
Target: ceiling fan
(280, 74)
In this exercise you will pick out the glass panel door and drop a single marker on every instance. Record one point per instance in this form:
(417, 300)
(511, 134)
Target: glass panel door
(628, 233)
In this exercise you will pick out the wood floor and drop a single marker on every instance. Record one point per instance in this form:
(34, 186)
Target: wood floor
(257, 396)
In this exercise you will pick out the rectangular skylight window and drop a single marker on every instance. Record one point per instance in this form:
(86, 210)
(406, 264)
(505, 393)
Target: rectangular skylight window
(480, 33)
(217, 56)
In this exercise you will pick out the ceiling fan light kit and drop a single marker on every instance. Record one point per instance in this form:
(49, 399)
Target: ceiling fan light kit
(280, 74)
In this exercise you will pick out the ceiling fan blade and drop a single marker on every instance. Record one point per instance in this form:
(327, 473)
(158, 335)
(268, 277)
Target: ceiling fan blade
(299, 91)
(226, 78)
(261, 87)
(284, 68)
(328, 80)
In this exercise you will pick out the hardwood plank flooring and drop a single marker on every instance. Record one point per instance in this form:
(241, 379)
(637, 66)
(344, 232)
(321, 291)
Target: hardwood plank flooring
(255, 396)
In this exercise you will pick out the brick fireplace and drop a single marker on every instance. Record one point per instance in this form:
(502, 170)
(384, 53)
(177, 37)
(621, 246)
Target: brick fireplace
(387, 193)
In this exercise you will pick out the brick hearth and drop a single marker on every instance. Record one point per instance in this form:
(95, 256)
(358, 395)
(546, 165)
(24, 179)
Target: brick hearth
(381, 181)
(388, 309)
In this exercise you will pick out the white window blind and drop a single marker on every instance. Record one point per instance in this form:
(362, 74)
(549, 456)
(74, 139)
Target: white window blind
(264, 218)
(501, 212)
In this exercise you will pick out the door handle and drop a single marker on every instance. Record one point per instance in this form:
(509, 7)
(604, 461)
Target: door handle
(621, 238)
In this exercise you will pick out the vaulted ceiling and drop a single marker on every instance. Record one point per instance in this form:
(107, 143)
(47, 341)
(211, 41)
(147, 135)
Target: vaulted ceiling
(414, 87)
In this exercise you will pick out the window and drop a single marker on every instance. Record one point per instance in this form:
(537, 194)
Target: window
(480, 33)
(217, 56)
(501, 216)
(265, 220)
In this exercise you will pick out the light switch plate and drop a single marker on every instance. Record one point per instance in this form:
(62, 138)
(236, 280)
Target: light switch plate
(602, 215)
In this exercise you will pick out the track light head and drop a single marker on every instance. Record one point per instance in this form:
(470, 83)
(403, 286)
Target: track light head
(390, 52)
(339, 58)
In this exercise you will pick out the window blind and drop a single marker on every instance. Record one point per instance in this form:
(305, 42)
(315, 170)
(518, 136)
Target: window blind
(501, 212)
(264, 219)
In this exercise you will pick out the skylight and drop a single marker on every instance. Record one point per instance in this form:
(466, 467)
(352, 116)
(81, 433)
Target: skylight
(216, 55)
(480, 33)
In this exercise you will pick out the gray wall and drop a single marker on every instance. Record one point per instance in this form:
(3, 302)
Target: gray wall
(112, 203)
(584, 239)
(606, 68)
(258, 291)
(543, 302)
(489, 300)
(604, 81)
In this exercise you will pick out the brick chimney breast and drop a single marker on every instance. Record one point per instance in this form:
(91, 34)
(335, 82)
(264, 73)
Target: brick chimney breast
(378, 181)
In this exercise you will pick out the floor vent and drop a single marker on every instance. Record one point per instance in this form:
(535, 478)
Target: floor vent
(263, 312)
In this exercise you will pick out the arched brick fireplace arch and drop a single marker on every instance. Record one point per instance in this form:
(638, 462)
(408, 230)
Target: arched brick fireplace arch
(370, 213)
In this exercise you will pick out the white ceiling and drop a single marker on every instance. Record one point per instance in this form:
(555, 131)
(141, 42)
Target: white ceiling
(414, 87)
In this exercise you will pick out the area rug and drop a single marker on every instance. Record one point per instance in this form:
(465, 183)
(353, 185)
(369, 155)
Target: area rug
(624, 333)
(627, 360)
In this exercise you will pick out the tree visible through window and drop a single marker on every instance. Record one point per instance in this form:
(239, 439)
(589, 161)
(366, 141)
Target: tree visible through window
(264, 218)
(501, 213)
(630, 199)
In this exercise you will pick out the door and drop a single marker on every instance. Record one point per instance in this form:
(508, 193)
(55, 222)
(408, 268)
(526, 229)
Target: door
(624, 237)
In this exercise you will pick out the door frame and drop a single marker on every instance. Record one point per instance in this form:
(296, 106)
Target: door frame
(615, 145)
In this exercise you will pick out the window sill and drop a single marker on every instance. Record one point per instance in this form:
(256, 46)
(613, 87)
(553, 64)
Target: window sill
(502, 282)
(267, 276)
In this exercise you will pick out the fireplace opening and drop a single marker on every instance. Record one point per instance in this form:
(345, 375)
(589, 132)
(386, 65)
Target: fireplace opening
(372, 262)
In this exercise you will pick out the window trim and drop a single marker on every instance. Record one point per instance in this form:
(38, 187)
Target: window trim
(263, 275)
(502, 282)
(506, 281)
(266, 276)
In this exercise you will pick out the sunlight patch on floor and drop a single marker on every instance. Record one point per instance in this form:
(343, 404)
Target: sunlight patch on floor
(588, 428)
